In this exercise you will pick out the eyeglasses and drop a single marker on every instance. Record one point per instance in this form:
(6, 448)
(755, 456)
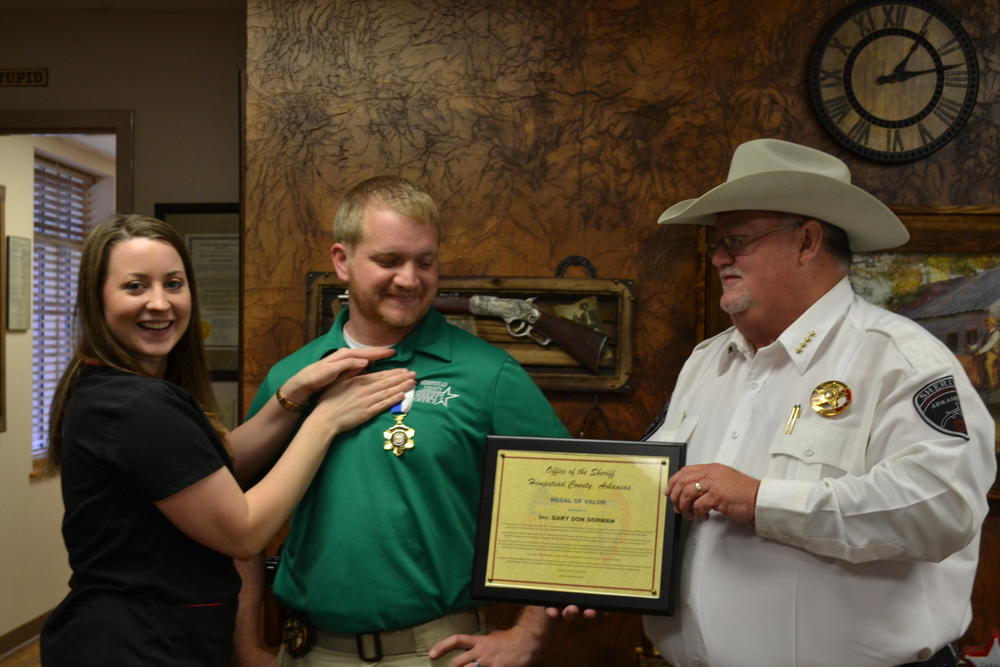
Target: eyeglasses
(737, 244)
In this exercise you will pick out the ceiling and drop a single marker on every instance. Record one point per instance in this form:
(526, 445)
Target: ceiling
(124, 5)
(102, 144)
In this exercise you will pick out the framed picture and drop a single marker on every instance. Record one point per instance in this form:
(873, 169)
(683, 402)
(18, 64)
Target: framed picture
(18, 283)
(212, 235)
(947, 278)
(572, 521)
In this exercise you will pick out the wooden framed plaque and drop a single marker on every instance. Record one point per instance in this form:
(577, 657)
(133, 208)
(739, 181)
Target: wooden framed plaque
(603, 304)
(585, 522)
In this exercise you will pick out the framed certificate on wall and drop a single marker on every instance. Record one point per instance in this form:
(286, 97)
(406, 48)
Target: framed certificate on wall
(212, 234)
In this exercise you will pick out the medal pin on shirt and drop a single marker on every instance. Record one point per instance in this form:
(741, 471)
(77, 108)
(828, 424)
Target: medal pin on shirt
(399, 436)
(828, 399)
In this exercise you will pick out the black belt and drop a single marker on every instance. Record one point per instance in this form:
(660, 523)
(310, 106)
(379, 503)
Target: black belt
(946, 657)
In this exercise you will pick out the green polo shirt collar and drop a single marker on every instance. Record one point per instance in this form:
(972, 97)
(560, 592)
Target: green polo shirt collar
(431, 336)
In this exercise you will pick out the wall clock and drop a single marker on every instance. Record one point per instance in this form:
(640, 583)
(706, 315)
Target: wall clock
(893, 81)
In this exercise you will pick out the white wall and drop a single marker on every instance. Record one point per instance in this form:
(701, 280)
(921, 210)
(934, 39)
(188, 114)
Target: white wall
(33, 567)
(179, 73)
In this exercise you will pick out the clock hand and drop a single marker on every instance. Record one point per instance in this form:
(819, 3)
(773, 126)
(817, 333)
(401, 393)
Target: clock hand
(902, 63)
(903, 75)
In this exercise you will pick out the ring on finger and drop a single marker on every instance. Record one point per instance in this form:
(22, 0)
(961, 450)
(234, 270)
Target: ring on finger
(475, 661)
(699, 489)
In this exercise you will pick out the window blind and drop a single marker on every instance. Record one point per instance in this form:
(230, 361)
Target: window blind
(62, 210)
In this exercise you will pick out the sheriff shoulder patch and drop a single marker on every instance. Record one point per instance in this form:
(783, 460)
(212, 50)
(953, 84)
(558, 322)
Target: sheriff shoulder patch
(937, 403)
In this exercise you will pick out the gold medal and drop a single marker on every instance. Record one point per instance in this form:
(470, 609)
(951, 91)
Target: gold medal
(399, 437)
(830, 398)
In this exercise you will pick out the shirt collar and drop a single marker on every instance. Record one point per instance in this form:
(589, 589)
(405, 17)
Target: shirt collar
(431, 336)
(738, 345)
(805, 335)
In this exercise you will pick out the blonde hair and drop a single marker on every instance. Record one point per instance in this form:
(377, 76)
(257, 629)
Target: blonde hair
(390, 192)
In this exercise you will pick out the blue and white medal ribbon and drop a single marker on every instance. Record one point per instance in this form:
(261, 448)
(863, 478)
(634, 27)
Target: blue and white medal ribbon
(399, 436)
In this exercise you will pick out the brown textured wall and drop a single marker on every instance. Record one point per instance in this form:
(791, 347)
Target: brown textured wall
(547, 129)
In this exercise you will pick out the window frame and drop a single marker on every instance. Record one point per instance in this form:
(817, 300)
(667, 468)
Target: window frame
(61, 218)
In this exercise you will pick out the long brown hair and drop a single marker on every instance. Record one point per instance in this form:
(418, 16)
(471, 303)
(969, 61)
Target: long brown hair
(96, 344)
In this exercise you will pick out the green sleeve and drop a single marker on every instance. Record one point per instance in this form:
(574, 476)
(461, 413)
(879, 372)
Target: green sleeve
(520, 407)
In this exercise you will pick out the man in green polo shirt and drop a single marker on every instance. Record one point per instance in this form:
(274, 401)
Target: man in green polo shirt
(379, 552)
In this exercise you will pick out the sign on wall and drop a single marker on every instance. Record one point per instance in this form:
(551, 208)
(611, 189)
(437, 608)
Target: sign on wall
(34, 76)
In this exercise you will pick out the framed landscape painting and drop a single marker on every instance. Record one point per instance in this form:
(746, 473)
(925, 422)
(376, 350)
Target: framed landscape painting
(947, 278)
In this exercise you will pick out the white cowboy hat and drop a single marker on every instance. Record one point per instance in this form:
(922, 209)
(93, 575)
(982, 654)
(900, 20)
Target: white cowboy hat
(775, 175)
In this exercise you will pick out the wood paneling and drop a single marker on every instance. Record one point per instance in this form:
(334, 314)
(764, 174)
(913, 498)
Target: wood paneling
(25, 656)
(548, 129)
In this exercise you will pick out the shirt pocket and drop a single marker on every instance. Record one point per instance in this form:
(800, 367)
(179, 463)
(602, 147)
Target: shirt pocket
(811, 452)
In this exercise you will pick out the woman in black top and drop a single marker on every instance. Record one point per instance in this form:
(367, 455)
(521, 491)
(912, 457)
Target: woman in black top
(151, 481)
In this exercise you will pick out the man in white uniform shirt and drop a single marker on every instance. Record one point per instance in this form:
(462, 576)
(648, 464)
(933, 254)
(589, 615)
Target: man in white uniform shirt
(838, 457)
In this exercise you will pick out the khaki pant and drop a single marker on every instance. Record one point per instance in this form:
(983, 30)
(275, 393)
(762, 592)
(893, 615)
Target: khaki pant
(339, 650)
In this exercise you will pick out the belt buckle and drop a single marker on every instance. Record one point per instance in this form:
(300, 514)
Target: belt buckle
(361, 649)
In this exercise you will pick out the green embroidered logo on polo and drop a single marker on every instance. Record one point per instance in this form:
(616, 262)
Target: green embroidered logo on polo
(434, 392)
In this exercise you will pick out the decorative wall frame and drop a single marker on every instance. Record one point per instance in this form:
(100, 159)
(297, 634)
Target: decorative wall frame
(212, 235)
(18, 283)
(550, 367)
(951, 228)
(957, 230)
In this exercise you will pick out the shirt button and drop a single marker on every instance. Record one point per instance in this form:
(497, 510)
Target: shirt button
(734, 435)
(699, 662)
(924, 654)
(808, 452)
(754, 385)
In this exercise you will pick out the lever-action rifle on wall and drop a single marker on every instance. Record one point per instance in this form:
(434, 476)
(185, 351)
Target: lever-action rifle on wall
(524, 319)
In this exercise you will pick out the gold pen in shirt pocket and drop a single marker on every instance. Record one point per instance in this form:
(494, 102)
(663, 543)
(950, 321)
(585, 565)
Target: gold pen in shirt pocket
(790, 424)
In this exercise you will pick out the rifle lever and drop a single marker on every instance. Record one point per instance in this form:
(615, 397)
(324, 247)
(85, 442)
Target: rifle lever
(521, 329)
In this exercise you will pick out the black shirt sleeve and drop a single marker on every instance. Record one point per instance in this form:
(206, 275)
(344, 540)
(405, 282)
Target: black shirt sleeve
(156, 435)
